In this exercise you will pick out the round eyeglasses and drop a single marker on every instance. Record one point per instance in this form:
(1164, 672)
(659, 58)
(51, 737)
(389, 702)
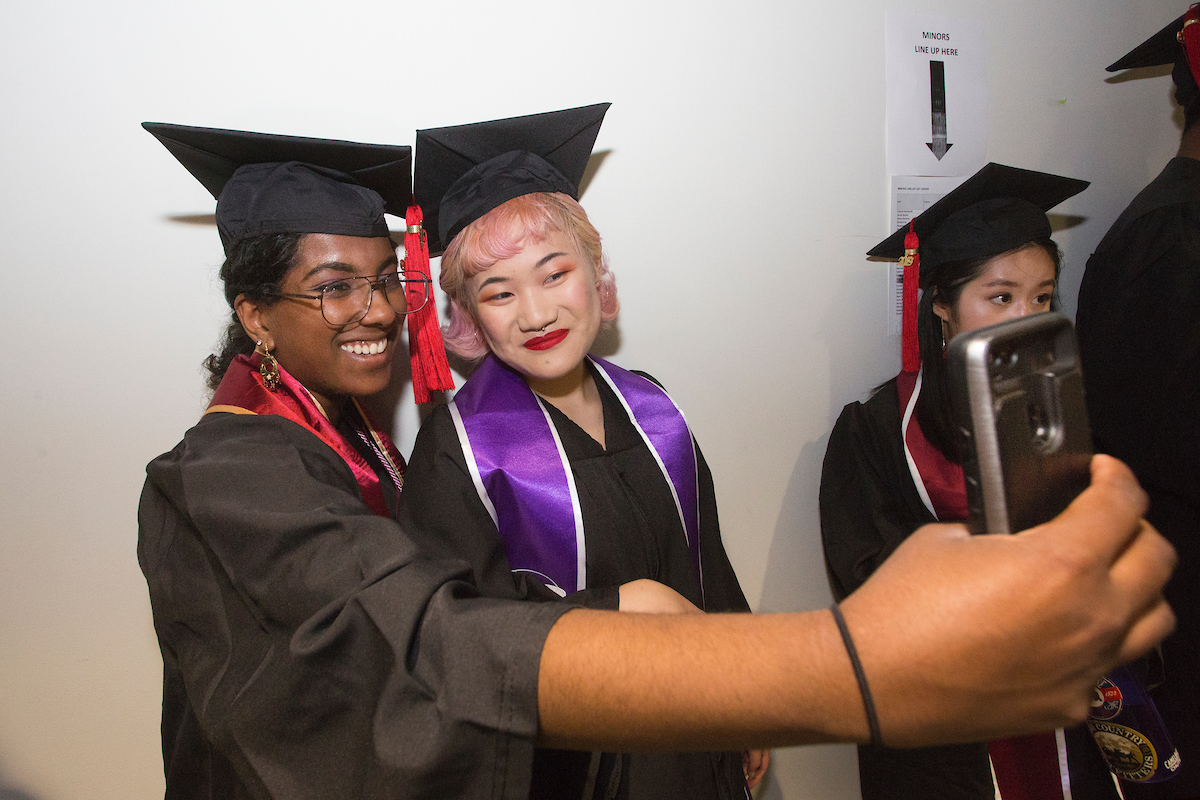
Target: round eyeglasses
(347, 300)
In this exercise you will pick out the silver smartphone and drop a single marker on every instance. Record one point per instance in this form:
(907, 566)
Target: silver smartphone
(1018, 403)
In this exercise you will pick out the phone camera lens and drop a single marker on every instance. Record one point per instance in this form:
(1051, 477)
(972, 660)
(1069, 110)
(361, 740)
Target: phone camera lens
(1039, 424)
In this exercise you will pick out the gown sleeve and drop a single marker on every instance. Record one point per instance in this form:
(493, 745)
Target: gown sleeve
(868, 501)
(312, 648)
(722, 592)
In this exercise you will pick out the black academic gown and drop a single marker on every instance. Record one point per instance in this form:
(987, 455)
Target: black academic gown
(632, 531)
(869, 505)
(1139, 338)
(312, 649)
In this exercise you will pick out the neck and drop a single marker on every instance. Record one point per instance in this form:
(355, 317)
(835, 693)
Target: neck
(331, 407)
(565, 388)
(1189, 145)
(575, 395)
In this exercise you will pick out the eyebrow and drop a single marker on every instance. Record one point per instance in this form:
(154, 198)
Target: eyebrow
(342, 266)
(1006, 283)
(547, 258)
(541, 263)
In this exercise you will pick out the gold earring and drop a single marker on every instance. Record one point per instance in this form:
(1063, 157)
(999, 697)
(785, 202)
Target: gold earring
(269, 368)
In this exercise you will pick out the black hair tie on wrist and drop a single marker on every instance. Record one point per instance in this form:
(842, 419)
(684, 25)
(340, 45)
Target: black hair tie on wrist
(863, 688)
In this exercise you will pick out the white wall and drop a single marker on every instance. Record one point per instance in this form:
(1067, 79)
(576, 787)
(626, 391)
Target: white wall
(745, 144)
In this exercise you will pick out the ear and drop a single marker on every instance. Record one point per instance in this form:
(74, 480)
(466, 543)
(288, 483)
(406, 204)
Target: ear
(942, 310)
(252, 315)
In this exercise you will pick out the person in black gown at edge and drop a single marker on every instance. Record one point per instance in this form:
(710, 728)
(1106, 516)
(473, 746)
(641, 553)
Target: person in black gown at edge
(982, 254)
(530, 289)
(1139, 340)
(314, 648)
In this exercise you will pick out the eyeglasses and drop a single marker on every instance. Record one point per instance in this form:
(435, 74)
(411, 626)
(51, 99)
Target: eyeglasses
(347, 300)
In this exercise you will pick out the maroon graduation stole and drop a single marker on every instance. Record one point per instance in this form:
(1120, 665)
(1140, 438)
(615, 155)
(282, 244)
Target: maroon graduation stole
(1030, 767)
(242, 392)
(939, 480)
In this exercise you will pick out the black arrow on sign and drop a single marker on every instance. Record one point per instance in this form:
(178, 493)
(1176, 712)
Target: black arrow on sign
(937, 107)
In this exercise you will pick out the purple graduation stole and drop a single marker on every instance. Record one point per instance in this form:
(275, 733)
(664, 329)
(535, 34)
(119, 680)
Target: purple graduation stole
(524, 479)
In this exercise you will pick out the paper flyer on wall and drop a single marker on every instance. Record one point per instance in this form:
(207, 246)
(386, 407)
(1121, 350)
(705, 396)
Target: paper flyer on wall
(936, 94)
(911, 194)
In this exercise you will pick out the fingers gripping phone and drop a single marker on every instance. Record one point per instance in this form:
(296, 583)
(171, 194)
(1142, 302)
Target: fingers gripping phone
(1018, 403)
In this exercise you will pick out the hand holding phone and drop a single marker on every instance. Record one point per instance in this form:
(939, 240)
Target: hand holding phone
(1018, 403)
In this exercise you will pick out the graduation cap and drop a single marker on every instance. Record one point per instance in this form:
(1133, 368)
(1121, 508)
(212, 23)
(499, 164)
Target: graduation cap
(464, 171)
(268, 183)
(1178, 44)
(996, 210)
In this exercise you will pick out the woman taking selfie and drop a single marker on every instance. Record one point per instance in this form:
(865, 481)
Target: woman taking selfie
(584, 473)
(285, 595)
(984, 255)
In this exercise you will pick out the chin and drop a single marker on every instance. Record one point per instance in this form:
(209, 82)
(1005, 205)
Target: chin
(369, 386)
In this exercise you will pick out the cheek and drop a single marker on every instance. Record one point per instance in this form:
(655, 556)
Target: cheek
(491, 325)
(586, 296)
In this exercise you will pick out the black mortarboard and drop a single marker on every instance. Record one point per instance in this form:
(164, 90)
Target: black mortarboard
(1161, 48)
(996, 210)
(464, 171)
(1167, 47)
(266, 183)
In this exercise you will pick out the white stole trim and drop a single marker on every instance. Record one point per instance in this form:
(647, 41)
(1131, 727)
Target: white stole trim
(576, 510)
(912, 464)
(658, 460)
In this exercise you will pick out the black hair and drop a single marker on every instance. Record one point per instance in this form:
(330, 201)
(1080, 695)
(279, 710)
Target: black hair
(1187, 93)
(255, 268)
(933, 404)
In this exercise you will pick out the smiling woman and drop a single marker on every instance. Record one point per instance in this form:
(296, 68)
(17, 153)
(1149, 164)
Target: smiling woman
(268, 536)
(332, 339)
(585, 474)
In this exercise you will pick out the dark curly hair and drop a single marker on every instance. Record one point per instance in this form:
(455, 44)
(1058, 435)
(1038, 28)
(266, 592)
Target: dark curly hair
(933, 404)
(255, 268)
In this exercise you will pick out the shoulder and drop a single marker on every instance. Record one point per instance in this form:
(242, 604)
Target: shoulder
(649, 377)
(437, 441)
(231, 444)
(1173, 195)
(865, 436)
(879, 412)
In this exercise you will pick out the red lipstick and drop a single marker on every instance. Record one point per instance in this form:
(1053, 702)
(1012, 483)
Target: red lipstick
(549, 340)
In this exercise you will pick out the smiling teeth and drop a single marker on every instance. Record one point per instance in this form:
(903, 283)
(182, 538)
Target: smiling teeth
(366, 348)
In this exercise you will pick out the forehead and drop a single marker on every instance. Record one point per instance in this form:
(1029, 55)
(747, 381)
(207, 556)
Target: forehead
(530, 253)
(1032, 265)
(357, 253)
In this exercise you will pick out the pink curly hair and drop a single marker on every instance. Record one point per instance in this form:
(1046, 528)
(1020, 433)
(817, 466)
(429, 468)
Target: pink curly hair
(502, 233)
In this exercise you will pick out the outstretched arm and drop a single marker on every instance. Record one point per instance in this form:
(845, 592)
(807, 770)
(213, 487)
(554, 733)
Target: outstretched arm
(962, 639)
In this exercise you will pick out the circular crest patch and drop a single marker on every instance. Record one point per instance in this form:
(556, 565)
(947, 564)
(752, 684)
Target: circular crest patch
(1129, 754)
(1106, 703)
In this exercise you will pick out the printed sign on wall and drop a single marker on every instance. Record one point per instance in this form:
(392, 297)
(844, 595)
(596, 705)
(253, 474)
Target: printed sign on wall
(936, 95)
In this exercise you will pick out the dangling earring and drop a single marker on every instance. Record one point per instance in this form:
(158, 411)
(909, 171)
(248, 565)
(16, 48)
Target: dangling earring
(943, 336)
(269, 368)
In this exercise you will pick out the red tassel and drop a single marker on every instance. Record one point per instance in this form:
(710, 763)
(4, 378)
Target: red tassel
(910, 348)
(1189, 37)
(430, 369)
